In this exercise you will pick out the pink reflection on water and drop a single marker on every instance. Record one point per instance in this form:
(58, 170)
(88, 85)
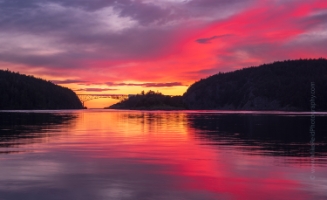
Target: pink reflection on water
(123, 154)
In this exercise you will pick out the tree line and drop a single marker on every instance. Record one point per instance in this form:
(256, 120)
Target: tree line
(284, 85)
(21, 92)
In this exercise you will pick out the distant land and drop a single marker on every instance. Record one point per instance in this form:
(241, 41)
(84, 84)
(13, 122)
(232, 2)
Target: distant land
(150, 101)
(292, 85)
(287, 86)
(22, 92)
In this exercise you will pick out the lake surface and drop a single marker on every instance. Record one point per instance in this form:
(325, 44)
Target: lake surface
(108, 154)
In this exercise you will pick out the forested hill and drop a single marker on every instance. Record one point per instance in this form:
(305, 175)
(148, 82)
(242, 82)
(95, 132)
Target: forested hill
(150, 101)
(21, 92)
(287, 85)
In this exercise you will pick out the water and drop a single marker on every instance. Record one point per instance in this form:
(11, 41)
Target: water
(106, 154)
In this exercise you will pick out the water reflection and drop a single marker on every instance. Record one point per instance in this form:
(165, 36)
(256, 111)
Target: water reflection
(101, 154)
(25, 128)
(282, 135)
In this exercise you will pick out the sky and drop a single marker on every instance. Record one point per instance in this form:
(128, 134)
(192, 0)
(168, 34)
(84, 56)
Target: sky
(126, 46)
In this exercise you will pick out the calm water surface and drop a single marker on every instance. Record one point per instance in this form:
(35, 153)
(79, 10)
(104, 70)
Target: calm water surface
(107, 154)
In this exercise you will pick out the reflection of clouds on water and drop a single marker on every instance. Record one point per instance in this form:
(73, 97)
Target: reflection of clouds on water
(317, 187)
(320, 187)
(261, 134)
(116, 191)
(163, 156)
(28, 171)
(18, 128)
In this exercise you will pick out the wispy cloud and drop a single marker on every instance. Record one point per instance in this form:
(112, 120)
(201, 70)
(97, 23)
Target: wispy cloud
(166, 43)
(68, 81)
(171, 84)
(94, 90)
(208, 40)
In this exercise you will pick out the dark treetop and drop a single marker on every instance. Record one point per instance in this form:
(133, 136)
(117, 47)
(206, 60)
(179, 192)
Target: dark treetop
(21, 92)
(287, 85)
(150, 101)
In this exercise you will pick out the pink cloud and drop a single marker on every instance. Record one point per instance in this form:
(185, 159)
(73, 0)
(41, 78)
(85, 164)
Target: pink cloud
(162, 49)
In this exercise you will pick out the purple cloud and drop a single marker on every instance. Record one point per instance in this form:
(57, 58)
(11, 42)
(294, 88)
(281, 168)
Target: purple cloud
(60, 33)
(208, 40)
(67, 81)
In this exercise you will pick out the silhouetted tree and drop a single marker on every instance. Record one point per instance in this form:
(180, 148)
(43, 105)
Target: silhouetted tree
(151, 100)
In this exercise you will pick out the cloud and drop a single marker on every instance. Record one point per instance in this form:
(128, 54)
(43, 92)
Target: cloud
(208, 40)
(217, 3)
(171, 84)
(164, 43)
(67, 81)
(58, 34)
(95, 89)
(205, 72)
(215, 10)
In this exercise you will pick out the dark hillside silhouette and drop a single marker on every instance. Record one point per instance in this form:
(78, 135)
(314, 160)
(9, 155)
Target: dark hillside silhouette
(282, 85)
(21, 92)
(150, 101)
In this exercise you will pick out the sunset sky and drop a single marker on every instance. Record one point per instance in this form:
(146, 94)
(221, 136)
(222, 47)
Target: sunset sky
(126, 46)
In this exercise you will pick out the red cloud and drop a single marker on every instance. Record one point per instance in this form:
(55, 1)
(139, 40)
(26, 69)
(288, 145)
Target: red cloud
(264, 32)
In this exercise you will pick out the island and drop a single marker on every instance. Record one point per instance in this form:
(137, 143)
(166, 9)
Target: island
(22, 92)
(150, 101)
